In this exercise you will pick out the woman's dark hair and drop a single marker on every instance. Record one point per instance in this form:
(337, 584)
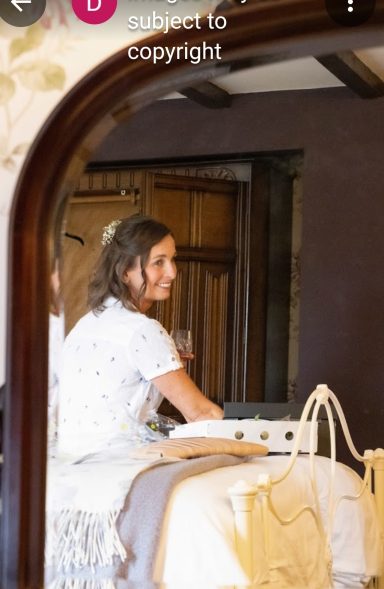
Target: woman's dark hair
(134, 238)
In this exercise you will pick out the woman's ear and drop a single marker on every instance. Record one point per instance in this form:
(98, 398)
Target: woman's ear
(125, 277)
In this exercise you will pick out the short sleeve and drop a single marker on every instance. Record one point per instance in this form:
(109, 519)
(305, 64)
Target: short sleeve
(152, 350)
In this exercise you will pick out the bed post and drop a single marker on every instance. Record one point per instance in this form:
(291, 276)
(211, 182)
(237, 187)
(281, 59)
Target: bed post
(242, 496)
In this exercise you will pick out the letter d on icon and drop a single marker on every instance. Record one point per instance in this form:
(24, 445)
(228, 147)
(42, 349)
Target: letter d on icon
(92, 8)
(94, 12)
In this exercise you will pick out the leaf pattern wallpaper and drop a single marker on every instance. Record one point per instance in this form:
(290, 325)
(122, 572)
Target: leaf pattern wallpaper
(26, 72)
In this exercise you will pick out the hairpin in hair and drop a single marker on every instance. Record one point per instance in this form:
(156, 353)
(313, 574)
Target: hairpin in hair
(76, 237)
(109, 232)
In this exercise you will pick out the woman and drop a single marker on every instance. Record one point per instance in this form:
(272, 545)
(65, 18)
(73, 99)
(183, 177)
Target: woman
(118, 364)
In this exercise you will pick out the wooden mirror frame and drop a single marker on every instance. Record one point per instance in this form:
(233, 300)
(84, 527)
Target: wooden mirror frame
(256, 33)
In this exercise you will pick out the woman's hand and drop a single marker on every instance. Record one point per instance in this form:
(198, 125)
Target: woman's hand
(185, 357)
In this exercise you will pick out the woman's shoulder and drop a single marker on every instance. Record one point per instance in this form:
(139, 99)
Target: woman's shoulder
(82, 326)
(116, 312)
(115, 322)
(121, 323)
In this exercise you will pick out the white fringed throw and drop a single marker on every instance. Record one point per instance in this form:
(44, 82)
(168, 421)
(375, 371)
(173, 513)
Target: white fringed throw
(79, 583)
(83, 502)
(83, 539)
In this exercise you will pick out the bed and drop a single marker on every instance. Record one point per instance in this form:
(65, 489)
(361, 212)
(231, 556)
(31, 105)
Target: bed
(276, 521)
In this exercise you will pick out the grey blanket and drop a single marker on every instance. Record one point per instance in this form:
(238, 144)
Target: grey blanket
(139, 524)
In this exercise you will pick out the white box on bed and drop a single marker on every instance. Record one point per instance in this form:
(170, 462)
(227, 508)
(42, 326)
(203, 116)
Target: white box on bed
(278, 435)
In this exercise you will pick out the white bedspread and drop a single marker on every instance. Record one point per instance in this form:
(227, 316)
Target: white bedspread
(198, 546)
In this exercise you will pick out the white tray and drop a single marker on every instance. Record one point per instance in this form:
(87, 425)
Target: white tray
(278, 435)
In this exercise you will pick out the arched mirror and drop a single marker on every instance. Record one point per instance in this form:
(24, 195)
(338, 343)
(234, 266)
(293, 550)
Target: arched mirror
(258, 33)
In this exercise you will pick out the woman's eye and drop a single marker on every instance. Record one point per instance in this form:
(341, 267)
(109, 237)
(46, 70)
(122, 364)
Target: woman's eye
(163, 261)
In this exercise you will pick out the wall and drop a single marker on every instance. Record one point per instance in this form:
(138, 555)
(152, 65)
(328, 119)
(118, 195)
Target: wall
(341, 338)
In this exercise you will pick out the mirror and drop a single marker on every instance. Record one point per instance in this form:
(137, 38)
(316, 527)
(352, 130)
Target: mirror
(255, 34)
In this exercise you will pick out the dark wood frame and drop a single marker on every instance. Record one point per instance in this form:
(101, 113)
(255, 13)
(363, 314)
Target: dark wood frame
(256, 33)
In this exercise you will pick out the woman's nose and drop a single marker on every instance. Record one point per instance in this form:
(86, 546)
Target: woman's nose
(172, 270)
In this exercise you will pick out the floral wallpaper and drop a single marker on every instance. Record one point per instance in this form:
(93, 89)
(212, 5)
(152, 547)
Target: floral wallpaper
(29, 69)
(24, 75)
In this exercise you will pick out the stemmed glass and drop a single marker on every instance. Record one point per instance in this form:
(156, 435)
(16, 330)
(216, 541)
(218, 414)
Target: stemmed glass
(184, 343)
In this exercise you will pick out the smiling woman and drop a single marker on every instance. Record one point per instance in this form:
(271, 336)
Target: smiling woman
(160, 271)
(116, 362)
(134, 248)
(256, 33)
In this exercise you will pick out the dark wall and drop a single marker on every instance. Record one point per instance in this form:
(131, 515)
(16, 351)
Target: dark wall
(342, 295)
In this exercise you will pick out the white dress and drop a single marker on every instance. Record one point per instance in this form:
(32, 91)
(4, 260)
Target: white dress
(107, 363)
(56, 341)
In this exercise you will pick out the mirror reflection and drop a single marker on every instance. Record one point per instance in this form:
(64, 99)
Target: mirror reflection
(331, 137)
(236, 219)
(235, 233)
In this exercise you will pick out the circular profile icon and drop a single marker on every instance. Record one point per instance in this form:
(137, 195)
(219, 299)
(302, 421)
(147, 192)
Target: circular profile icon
(350, 13)
(94, 12)
(21, 13)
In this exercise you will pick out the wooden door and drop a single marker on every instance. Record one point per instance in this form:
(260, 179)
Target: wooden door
(208, 222)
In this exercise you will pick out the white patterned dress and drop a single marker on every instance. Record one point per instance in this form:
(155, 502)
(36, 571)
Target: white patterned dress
(108, 362)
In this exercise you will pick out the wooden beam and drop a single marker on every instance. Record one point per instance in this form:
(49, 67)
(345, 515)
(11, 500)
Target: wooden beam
(208, 94)
(354, 73)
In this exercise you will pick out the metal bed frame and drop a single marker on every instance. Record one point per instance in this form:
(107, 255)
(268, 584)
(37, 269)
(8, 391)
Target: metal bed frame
(243, 494)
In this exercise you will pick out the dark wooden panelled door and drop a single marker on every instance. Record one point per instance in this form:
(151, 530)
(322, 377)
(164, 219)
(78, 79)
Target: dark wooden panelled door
(208, 221)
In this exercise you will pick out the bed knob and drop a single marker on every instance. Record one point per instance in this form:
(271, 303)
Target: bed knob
(264, 484)
(322, 391)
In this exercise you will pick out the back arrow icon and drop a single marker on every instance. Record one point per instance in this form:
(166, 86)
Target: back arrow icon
(17, 2)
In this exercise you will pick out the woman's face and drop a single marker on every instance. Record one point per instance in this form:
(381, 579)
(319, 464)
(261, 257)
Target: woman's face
(160, 272)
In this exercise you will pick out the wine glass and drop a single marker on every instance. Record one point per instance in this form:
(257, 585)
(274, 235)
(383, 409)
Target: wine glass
(183, 342)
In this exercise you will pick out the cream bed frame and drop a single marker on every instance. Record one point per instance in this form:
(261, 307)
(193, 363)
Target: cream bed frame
(243, 494)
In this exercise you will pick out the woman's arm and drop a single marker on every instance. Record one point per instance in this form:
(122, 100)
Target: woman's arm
(181, 391)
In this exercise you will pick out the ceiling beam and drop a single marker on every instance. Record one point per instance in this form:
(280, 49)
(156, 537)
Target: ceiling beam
(208, 94)
(354, 73)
